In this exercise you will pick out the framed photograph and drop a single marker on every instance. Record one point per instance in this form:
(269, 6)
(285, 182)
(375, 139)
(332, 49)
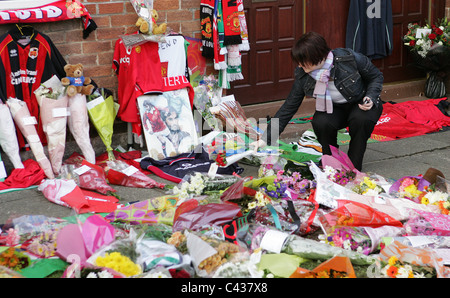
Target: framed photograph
(168, 123)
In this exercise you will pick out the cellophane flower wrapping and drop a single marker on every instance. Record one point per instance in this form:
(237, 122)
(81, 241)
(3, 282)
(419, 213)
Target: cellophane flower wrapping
(102, 111)
(86, 175)
(352, 213)
(23, 120)
(427, 223)
(53, 111)
(8, 137)
(336, 267)
(152, 211)
(119, 172)
(232, 118)
(207, 95)
(296, 216)
(78, 122)
(421, 258)
(121, 255)
(253, 237)
(208, 253)
(196, 184)
(364, 240)
(409, 187)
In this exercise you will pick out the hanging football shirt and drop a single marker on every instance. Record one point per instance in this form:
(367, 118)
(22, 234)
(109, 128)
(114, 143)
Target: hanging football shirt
(172, 54)
(138, 70)
(27, 58)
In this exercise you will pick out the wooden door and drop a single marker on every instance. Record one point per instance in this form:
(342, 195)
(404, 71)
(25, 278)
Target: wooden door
(268, 70)
(398, 66)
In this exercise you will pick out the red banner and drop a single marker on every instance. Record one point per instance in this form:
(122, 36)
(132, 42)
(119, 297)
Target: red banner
(51, 11)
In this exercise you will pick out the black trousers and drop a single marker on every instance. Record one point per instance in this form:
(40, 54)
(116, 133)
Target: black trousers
(360, 126)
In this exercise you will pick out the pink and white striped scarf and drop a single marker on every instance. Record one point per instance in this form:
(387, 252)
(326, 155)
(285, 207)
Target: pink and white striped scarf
(321, 93)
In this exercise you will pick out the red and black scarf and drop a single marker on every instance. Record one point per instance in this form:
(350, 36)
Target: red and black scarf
(206, 22)
(231, 22)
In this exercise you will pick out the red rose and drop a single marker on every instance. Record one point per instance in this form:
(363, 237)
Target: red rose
(412, 43)
(432, 36)
(438, 31)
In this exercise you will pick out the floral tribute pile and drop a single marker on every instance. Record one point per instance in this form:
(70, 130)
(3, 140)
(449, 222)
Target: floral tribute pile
(296, 220)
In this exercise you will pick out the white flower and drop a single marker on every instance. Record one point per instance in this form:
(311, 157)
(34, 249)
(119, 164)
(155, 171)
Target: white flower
(105, 274)
(436, 196)
(156, 275)
(347, 244)
(92, 275)
(329, 171)
(403, 272)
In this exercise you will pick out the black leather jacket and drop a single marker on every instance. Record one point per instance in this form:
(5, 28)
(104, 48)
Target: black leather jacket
(354, 76)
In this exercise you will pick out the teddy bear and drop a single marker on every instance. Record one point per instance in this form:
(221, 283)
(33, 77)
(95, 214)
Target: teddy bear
(75, 81)
(144, 26)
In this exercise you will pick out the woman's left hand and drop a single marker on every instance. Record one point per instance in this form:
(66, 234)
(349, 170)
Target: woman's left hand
(367, 104)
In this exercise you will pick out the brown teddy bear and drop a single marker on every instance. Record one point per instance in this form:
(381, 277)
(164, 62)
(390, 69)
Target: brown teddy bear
(144, 26)
(75, 81)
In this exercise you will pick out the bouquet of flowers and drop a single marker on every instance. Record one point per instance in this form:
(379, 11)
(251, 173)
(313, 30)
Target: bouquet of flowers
(25, 123)
(102, 112)
(398, 269)
(14, 259)
(119, 172)
(431, 44)
(421, 39)
(43, 245)
(208, 253)
(207, 95)
(86, 175)
(368, 187)
(197, 183)
(409, 187)
(336, 267)
(427, 223)
(78, 121)
(295, 183)
(339, 176)
(364, 240)
(53, 111)
(8, 138)
(351, 238)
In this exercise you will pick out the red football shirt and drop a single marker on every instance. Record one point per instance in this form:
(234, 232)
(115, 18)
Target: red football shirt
(138, 70)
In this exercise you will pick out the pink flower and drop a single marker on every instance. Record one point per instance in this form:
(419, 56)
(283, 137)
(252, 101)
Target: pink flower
(13, 238)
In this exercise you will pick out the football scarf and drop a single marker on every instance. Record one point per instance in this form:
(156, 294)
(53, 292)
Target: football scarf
(232, 28)
(219, 58)
(206, 23)
(244, 46)
(44, 11)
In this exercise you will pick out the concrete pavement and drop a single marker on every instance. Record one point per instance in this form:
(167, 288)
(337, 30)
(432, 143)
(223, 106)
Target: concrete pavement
(394, 159)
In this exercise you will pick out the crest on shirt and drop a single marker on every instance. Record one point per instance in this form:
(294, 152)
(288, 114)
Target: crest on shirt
(33, 53)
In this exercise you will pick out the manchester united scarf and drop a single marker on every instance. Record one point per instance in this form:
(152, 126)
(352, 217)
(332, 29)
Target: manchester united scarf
(232, 28)
(206, 22)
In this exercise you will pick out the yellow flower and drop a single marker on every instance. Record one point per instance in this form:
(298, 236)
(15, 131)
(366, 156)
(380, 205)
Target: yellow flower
(369, 182)
(425, 201)
(412, 190)
(119, 263)
(392, 260)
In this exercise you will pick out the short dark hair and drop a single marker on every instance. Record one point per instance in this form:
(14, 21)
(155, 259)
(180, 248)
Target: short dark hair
(311, 48)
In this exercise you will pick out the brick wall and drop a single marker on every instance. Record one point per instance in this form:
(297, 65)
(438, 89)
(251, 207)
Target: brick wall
(113, 18)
